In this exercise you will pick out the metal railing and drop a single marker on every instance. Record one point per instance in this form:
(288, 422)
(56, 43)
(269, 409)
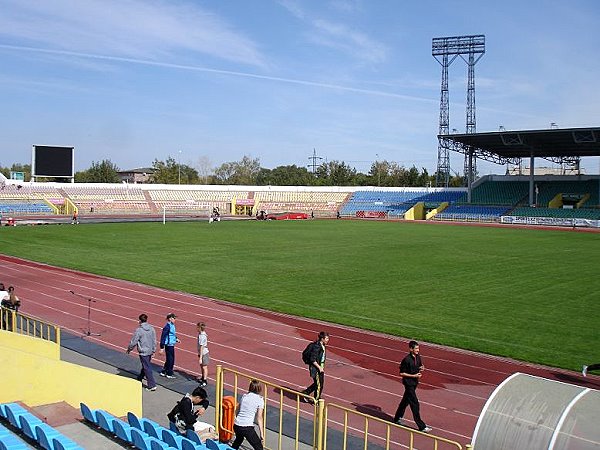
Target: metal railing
(11, 320)
(275, 408)
(313, 425)
(379, 431)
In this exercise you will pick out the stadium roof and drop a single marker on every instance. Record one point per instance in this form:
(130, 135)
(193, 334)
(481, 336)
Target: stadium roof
(507, 146)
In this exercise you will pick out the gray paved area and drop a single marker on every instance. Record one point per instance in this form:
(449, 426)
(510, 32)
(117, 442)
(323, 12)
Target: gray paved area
(155, 405)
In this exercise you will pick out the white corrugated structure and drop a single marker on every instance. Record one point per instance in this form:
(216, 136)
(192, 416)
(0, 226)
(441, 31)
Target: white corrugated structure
(533, 413)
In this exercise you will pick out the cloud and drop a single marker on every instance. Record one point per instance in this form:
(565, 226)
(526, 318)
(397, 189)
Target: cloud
(338, 36)
(176, 66)
(129, 28)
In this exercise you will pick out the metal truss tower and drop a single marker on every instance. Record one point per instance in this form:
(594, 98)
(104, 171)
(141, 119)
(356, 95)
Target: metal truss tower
(442, 49)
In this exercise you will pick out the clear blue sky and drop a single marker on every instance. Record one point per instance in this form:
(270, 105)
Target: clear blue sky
(212, 81)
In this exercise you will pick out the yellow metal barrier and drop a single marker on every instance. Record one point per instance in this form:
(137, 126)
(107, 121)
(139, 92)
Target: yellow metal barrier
(275, 405)
(372, 429)
(388, 434)
(11, 320)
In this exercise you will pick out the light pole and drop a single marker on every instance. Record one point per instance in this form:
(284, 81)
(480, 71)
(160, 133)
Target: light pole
(179, 168)
(378, 170)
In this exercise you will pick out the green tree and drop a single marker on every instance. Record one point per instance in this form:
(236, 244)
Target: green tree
(335, 173)
(285, 176)
(172, 172)
(244, 172)
(99, 172)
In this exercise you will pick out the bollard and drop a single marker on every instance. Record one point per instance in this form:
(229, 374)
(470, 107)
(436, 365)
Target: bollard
(227, 418)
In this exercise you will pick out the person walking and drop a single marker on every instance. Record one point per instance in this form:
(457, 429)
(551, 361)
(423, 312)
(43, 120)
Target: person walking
(316, 366)
(168, 339)
(144, 338)
(203, 353)
(586, 369)
(411, 370)
(251, 407)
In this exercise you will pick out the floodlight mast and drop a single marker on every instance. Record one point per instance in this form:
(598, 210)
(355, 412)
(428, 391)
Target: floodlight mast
(442, 49)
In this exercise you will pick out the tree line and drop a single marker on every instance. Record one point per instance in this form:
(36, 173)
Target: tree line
(248, 171)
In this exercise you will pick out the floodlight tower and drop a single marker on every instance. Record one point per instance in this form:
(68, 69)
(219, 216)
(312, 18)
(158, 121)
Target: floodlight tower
(445, 50)
(476, 46)
(439, 49)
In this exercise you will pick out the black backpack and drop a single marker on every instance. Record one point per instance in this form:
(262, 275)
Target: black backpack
(307, 352)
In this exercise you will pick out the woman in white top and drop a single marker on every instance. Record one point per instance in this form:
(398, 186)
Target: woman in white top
(203, 354)
(251, 406)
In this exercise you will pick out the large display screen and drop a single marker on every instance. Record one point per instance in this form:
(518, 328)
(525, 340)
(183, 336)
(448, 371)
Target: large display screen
(51, 161)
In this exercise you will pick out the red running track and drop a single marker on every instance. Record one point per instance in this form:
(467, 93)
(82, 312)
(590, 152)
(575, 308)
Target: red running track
(362, 366)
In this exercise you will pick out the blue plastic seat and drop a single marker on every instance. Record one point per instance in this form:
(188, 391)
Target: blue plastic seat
(13, 412)
(27, 423)
(144, 442)
(173, 427)
(10, 441)
(64, 443)
(88, 414)
(135, 422)
(171, 438)
(214, 445)
(122, 430)
(189, 445)
(105, 420)
(193, 436)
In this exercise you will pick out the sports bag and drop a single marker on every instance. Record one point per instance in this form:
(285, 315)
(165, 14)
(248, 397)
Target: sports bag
(307, 352)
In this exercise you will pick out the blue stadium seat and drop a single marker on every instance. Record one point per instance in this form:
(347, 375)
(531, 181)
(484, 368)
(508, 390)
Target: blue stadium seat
(13, 412)
(28, 423)
(88, 414)
(193, 436)
(214, 445)
(144, 442)
(135, 422)
(10, 441)
(171, 438)
(105, 420)
(65, 444)
(122, 430)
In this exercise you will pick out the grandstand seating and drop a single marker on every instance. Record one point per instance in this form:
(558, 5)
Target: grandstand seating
(17, 207)
(33, 428)
(472, 213)
(396, 203)
(144, 433)
(498, 193)
(576, 213)
(11, 441)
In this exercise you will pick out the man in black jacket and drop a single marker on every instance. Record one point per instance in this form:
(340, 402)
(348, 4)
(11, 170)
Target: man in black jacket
(411, 369)
(316, 368)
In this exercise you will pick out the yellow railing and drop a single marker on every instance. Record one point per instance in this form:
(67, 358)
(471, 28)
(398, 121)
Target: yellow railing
(275, 407)
(11, 320)
(386, 434)
(351, 423)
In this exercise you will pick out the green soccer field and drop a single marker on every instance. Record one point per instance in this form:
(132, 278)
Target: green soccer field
(529, 294)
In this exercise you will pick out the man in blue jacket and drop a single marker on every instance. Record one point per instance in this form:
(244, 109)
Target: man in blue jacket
(168, 339)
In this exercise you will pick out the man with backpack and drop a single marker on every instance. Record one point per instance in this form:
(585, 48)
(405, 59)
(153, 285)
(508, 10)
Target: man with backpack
(314, 356)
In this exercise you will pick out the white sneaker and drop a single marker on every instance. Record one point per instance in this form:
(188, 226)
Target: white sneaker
(584, 371)
(426, 430)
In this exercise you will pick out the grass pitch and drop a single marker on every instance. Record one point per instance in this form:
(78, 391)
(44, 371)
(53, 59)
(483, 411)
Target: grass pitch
(531, 294)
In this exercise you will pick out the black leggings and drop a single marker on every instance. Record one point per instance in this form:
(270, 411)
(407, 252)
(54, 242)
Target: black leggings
(250, 434)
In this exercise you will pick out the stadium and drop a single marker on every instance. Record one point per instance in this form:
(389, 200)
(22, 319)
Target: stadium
(497, 280)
